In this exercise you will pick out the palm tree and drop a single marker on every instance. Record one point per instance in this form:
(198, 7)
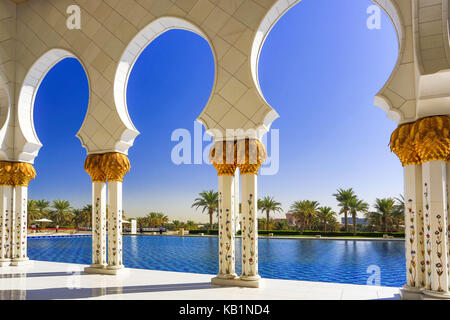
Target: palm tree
(190, 225)
(87, 215)
(61, 211)
(304, 211)
(384, 210)
(42, 206)
(355, 205)
(163, 219)
(77, 217)
(398, 214)
(33, 211)
(343, 196)
(326, 215)
(141, 222)
(282, 225)
(177, 224)
(267, 205)
(209, 201)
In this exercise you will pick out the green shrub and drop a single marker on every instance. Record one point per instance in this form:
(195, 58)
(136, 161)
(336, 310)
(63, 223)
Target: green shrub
(311, 233)
(209, 232)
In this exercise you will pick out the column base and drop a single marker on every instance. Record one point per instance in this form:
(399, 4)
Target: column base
(410, 293)
(250, 278)
(236, 282)
(20, 262)
(5, 262)
(227, 276)
(434, 295)
(106, 270)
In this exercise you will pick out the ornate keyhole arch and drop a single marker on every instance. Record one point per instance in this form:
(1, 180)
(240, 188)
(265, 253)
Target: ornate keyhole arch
(27, 143)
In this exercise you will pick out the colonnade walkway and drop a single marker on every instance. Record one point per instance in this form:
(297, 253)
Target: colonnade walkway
(41, 280)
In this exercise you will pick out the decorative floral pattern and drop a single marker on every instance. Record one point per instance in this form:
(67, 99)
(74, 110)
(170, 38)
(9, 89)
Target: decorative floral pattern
(250, 237)
(411, 236)
(428, 246)
(439, 265)
(5, 227)
(115, 238)
(226, 230)
(421, 249)
(99, 232)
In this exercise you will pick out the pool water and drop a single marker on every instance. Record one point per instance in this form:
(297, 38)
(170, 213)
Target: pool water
(340, 261)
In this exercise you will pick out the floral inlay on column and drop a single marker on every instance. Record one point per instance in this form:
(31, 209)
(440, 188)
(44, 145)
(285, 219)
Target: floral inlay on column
(426, 142)
(222, 157)
(412, 239)
(93, 167)
(428, 247)
(250, 154)
(116, 166)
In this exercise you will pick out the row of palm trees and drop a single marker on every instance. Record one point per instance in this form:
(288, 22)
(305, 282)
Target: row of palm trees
(152, 220)
(158, 219)
(309, 213)
(388, 214)
(60, 212)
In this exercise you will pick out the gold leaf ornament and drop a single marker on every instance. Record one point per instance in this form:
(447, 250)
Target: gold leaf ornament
(93, 167)
(223, 157)
(402, 144)
(115, 165)
(251, 154)
(432, 138)
(427, 139)
(16, 173)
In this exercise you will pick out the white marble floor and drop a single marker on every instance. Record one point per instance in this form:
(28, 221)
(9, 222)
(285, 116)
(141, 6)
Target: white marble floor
(50, 280)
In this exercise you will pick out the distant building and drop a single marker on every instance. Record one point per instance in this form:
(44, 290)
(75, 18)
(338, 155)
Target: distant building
(362, 221)
(290, 219)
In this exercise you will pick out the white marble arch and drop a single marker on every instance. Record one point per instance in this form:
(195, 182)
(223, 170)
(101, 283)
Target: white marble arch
(5, 115)
(282, 6)
(128, 60)
(26, 141)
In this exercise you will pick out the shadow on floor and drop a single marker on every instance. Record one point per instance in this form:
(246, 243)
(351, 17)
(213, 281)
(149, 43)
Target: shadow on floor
(395, 297)
(82, 293)
(37, 275)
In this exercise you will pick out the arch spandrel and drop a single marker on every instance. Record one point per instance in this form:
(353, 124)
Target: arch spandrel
(106, 33)
(423, 60)
(6, 128)
(235, 29)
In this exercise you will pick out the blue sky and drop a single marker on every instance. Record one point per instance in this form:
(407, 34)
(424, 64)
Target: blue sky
(320, 68)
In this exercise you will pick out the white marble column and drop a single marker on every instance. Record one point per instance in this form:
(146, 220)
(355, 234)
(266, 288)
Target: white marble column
(98, 225)
(115, 225)
(20, 225)
(14, 224)
(414, 229)
(237, 190)
(226, 228)
(448, 211)
(5, 225)
(249, 227)
(436, 228)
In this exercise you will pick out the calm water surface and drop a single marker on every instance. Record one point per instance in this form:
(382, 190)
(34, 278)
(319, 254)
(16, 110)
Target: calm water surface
(342, 261)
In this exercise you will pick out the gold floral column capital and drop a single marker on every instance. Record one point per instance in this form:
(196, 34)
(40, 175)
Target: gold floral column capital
(402, 144)
(425, 140)
(115, 166)
(223, 158)
(16, 173)
(93, 166)
(5, 173)
(22, 173)
(432, 138)
(251, 154)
